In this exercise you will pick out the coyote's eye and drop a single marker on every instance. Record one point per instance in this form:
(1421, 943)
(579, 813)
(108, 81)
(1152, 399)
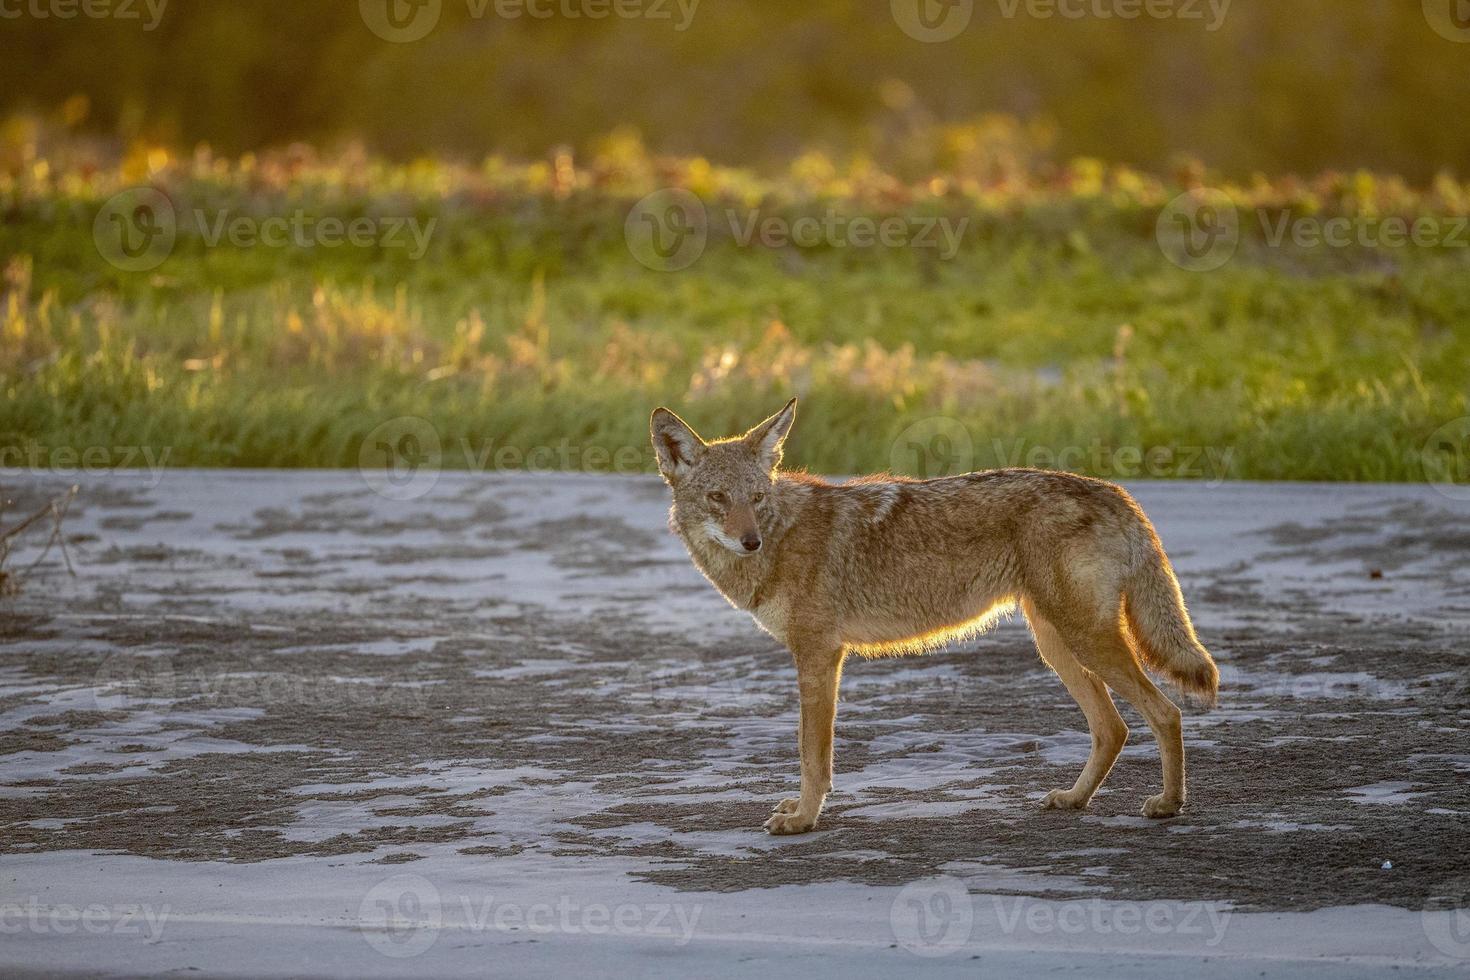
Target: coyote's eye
(715, 497)
(757, 498)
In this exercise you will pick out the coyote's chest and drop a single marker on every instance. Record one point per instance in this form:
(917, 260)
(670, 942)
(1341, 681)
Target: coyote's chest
(771, 615)
(740, 582)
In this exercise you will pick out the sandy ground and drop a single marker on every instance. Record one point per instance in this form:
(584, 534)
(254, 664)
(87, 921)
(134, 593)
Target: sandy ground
(279, 724)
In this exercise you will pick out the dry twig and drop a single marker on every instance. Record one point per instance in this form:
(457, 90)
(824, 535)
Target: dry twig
(56, 510)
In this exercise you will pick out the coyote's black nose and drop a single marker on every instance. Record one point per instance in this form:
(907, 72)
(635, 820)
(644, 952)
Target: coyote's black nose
(750, 542)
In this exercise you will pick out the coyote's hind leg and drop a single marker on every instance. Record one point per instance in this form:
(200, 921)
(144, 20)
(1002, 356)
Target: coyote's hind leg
(1109, 733)
(1107, 653)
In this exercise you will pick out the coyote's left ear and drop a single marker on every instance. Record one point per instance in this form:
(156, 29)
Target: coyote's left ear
(766, 439)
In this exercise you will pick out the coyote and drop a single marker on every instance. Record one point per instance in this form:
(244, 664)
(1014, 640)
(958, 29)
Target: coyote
(884, 565)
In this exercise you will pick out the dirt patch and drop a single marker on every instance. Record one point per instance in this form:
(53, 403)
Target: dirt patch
(342, 514)
(136, 522)
(1387, 539)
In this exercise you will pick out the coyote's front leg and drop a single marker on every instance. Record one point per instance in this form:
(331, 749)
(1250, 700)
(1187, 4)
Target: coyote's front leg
(818, 669)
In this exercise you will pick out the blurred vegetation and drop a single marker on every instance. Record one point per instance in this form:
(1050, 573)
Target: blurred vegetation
(1059, 322)
(1288, 86)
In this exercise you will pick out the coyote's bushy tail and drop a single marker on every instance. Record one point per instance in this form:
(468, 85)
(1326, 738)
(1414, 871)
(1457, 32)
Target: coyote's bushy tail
(1161, 631)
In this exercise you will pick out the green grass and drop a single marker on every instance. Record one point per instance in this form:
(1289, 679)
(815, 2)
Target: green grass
(1059, 334)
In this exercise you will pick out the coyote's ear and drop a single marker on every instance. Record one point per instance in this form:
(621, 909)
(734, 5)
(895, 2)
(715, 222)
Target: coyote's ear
(675, 444)
(766, 439)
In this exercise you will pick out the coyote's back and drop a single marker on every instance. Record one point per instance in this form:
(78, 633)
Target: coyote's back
(910, 564)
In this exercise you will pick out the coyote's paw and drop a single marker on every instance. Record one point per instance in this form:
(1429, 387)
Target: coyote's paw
(790, 823)
(1159, 807)
(787, 806)
(1063, 799)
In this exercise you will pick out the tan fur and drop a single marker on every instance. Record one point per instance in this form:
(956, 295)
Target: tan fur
(885, 565)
